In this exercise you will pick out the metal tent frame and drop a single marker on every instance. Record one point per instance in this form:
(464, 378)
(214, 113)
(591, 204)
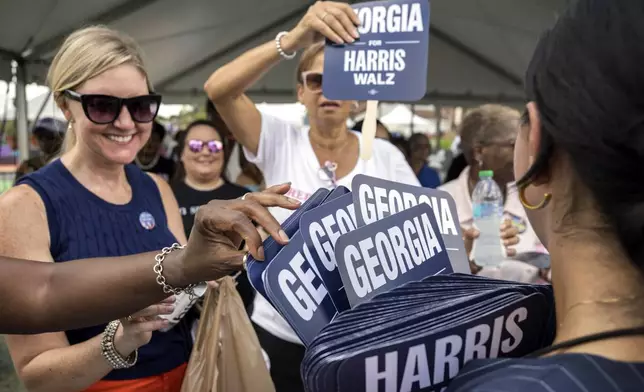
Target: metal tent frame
(478, 48)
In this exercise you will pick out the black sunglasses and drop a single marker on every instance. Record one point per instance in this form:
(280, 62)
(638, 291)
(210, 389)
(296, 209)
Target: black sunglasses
(105, 109)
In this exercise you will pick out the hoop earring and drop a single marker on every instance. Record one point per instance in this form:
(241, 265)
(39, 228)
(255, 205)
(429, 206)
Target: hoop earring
(544, 202)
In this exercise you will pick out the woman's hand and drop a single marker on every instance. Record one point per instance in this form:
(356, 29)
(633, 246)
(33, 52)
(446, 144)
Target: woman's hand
(509, 236)
(469, 235)
(330, 19)
(136, 330)
(220, 226)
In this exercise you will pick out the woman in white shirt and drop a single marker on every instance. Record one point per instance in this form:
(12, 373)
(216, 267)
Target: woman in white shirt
(326, 154)
(487, 136)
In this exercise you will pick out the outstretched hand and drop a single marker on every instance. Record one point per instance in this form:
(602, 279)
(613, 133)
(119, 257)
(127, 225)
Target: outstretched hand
(221, 225)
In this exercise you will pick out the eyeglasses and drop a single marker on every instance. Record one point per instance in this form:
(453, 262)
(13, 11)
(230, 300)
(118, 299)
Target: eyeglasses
(214, 146)
(504, 144)
(105, 109)
(312, 81)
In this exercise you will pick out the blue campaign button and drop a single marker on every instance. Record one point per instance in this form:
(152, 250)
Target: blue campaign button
(389, 60)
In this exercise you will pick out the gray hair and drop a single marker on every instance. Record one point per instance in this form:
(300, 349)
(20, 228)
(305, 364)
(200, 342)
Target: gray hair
(488, 124)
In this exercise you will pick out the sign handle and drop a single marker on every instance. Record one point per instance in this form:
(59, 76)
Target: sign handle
(369, 130)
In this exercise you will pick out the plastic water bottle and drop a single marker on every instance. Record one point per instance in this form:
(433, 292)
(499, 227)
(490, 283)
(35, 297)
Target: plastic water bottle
(487, 203)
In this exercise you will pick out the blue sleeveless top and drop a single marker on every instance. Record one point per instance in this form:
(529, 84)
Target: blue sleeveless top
(82, 225)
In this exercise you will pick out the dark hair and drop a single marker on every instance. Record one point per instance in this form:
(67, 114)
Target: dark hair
(416, 136)
(402, 143)
(587, 82)
(158, 129)
(213, 115)
(180, 173)
(358, 126)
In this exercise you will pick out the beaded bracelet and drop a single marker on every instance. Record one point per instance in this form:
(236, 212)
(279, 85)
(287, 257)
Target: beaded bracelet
(278, 45)
(112, 356)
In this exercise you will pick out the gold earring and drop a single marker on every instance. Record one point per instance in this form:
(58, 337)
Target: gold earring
(544, 202)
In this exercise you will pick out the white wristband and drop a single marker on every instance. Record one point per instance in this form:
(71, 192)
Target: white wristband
(278, 44)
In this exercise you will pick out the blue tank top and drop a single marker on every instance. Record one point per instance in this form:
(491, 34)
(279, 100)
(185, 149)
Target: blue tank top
(82, 225)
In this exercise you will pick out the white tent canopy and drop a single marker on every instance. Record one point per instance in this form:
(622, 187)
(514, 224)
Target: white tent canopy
(44, 102)
(402, 120)
(479, 49)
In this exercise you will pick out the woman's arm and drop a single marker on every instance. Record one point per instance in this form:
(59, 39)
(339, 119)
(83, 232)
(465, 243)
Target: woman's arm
(47, 362)
(46, 297)
(227, 85)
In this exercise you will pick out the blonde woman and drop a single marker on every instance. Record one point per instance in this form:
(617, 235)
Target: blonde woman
(92, 203)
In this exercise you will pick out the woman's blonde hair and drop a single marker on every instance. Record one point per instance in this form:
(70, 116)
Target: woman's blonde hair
(85, 54)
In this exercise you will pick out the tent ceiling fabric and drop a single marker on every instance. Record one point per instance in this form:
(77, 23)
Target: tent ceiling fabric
(479, 49)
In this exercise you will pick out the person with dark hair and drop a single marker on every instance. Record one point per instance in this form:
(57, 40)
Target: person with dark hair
(456, 167)
(419, 151)
(175, 155)
(200, 176)
(227, 136)
(150, 158)
(200, 179)
(578, 160)
(402, 144)
(381, 130)
(49, 133)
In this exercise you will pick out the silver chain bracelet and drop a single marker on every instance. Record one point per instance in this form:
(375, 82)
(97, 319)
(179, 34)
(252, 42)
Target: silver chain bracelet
(158, 269)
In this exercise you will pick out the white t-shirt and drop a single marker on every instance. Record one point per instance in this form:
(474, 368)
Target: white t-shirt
(285, 154)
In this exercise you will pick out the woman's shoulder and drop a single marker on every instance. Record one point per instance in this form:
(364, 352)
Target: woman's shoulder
(559, 373)
(19, 198)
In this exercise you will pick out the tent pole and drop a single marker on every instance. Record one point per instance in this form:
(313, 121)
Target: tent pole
(42, 108)
(439, 118)
(21, 110)
(411, 121)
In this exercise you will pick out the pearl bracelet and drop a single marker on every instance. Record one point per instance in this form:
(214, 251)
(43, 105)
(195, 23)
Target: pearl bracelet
(278, 44)
(112, 356)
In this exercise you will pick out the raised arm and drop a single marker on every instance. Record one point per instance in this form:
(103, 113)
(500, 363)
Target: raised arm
(227, 85)
(46, 297)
